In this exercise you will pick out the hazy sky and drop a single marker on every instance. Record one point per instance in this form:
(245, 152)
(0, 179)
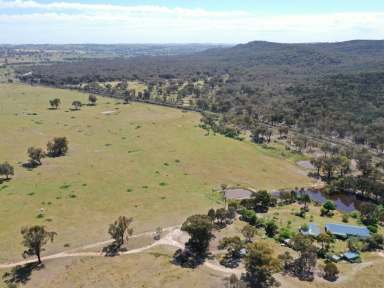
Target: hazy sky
(189, 21)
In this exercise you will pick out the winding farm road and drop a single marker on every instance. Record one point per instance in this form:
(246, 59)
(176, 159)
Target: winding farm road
(173, 238)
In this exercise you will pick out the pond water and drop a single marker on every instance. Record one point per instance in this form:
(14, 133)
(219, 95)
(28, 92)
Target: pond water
(344, 202)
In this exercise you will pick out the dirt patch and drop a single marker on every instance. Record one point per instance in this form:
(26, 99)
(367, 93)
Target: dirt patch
(305, 164)
(237, 193)
(108, 112)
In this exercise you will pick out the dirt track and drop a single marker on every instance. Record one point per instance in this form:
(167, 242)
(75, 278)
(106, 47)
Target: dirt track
(175, 238)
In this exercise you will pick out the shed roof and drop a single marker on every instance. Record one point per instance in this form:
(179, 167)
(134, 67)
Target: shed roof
(351, 255)
(347, 230)
(313, 230)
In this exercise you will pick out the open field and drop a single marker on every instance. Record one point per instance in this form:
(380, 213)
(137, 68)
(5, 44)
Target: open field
(148, 162)
(153, 269)
(150, 269)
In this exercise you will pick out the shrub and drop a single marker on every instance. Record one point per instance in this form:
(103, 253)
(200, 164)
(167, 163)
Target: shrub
(330, 271)
(271, 228)
(375, 241)
(372, 228)
(304, 227)
(249, 216)
(285, 233)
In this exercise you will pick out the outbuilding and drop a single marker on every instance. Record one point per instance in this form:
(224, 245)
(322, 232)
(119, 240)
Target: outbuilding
(351, 256)
(313, 230)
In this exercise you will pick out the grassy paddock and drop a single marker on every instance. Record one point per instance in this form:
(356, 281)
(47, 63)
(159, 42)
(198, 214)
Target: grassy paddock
(149, 162)
(150, 269)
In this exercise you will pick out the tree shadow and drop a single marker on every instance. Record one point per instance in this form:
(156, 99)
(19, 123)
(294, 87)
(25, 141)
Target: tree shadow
(187, 259)
(113, 249)
(3, 180)
(230, 262)
(21, 274)
(30, 165)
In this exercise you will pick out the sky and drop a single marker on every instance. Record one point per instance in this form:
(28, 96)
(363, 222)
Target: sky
(189, 21)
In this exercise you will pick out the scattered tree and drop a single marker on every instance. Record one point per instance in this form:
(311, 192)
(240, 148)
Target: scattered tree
(304, 266)
(34, 238)
(261, 265)
(120, 230)
(35, 155)
(221, 215)
(55, 103)
(199, 227)
(369, 213)
(233, 246)
(354, 244)
(76, 104)
(375, 241)
(248, 232)
(57, 147)
(325, 239)
(6, 169)
(92, 99)
(212, 214)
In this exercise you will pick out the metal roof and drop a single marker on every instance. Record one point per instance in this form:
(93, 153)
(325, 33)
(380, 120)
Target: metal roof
(313, 230)
(351, 255)
(347, 230)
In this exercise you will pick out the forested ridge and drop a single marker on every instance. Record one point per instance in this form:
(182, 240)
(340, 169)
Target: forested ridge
(329, 88)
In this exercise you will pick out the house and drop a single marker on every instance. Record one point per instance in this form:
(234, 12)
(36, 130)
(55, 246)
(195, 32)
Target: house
(313, 230)
(344, 231)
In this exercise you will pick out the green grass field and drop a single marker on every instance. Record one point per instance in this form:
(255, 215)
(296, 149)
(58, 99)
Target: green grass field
(148, 162)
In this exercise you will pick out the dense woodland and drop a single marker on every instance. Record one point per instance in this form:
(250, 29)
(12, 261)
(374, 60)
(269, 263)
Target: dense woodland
(332, 89)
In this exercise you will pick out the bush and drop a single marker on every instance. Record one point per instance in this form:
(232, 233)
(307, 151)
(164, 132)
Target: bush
(354, 214)
(285, 233)
(271, 228)
(304, 227)
(328, 208)
(249, 216)
(372, 228)
(330, 271)
(57, 147)
(375, 241)
(345, 218)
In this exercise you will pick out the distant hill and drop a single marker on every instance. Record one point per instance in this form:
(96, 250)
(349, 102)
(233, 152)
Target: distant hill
(261, 61)
(361, 55)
